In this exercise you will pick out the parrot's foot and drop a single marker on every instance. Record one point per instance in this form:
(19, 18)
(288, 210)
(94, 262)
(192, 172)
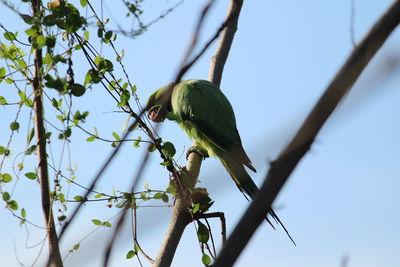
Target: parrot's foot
(197, 149)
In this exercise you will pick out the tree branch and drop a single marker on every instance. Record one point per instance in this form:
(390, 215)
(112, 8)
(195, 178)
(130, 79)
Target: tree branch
(180, 215)
(300, 144)
(224, 45)
(55, 256)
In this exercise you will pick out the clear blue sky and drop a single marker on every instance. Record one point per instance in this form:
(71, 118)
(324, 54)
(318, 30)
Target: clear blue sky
(342, 200)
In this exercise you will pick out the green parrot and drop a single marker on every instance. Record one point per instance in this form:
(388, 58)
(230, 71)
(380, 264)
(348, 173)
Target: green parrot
(206, 115)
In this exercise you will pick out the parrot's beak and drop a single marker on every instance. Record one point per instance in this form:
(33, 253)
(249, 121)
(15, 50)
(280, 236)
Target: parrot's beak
(153, 114)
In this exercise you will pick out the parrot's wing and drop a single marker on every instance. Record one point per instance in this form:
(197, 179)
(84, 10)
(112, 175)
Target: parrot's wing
(208, 110)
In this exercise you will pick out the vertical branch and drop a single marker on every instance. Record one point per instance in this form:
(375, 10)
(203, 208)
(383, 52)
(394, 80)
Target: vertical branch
(224, 45)
(180, 215)
(54, 256)
(301, 142)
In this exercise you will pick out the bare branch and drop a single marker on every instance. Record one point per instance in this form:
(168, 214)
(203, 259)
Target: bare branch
(300, 144)
(225, 42)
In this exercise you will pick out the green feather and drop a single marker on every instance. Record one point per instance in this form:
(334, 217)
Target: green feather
(206, 115)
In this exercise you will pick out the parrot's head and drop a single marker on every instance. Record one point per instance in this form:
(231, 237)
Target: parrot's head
(159, 103)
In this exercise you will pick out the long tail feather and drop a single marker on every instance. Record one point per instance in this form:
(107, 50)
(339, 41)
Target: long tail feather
(246, 185)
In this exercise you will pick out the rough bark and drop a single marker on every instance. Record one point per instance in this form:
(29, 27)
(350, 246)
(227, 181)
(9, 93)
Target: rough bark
(55, 256)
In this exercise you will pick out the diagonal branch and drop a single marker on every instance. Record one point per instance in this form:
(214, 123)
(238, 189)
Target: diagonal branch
(282, 167)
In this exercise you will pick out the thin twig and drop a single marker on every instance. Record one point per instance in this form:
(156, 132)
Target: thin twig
(135, 236)
(123, 215)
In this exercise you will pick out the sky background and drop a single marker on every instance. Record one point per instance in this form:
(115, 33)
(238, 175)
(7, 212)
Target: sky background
(342, 200)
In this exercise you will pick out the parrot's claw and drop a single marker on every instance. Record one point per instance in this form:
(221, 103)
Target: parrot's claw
(197, 149)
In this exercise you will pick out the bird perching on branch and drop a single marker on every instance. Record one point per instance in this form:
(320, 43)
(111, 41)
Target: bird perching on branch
(206, 115)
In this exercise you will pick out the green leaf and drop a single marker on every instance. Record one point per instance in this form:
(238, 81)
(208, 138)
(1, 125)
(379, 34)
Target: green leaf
(61, 197)
(51, 41)
(73, 22)
(116, 136)
(10, 36)
(31, 175)
(165, 163)
(107, 224)
(23, 213)
(130, 254)
(54, 102)
(97, 60)
(77, 89)
(96, 222)
(158, 195)
(49, 20)
(125, 96)
(30, 150)
(27, 19)
(47, 59)
(152, 147)
(68, 132)
(108, 35)
(206, 259)
(28, 102)
(137, 143)
(2, 72)
(195, 208)
(3, 101)
(76, 246)
(2, 150)
(168, 149)
(6, 196)
(165, 198)
(202, 233)
(7, 177)
(41, 41)
(21, 63)
(78, 198)
(100, 32)
(86, 34)
(31, 31)
(143, 196)
(62, 218)
(92, 76)
(31, 135)
(13, 205)
(133, 89)
(83, 3)
(91, 138)
(104, 65)
(14, 126)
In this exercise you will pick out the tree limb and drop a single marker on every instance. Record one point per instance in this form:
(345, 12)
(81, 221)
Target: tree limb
(224, 45)
(282, 167)
(180, 215)
(55, 256)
